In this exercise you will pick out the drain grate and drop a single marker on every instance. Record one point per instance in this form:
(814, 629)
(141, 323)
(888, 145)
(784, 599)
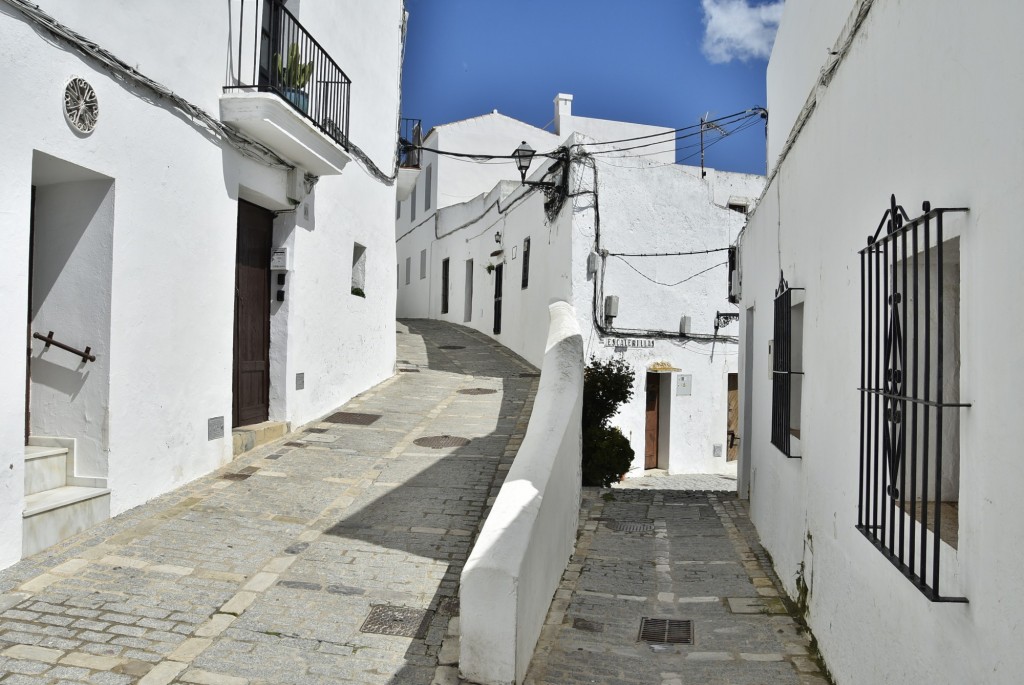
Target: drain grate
(400, 621)
(408, 371)
(630, 526)
(477, 391)
(438, 442)
(451, 347)
(352, 418)
(666, 631)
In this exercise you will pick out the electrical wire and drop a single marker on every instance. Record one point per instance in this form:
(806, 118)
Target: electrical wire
(669, 285)
(667, 254)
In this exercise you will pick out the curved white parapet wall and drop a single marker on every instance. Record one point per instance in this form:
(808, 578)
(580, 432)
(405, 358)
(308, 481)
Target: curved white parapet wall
(528, 537)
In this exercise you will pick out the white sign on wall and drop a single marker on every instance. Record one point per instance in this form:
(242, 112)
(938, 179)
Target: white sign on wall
(628, 342)
(684, 384)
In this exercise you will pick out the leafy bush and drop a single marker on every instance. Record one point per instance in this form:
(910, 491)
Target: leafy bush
(607, 455)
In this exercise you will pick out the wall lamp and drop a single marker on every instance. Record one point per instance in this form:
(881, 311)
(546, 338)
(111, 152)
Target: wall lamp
(524, 157)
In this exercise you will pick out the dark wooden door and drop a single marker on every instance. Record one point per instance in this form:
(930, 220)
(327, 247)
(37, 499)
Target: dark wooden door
(445, 284)
(651, 431)
(499, 272)
(28, 340)
(251, 377)
(733, 451)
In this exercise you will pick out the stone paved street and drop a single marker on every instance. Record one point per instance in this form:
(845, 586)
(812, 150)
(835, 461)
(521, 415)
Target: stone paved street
(265, 571)
(688, 555)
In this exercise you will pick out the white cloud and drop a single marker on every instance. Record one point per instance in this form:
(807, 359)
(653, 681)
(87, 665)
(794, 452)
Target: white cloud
(735, 29)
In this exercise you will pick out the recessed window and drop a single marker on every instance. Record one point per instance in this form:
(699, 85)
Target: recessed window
(444, 286)
(398, 209)
(526, 263)
(412, 205)
(408, 270)
(787, 369)
(738, 207)
(423, 264)
(358, 270)
(428, 186)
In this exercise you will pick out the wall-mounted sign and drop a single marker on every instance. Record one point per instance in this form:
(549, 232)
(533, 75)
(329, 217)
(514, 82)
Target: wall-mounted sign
(629, 342)
(684, 384)
(279, 259)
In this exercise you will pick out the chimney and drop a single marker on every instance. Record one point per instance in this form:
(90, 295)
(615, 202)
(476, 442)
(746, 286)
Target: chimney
(563, 108)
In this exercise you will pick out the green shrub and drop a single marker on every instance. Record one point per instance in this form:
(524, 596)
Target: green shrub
(607, 384)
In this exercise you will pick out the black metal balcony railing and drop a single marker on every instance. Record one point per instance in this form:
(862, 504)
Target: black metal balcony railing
(289, 62)
(410, 137)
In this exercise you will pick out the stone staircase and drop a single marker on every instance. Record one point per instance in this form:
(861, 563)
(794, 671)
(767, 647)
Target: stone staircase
(58, 503)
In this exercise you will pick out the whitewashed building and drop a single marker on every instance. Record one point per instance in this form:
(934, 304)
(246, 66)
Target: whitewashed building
(877, 280)
(477, 247)
(191, 196)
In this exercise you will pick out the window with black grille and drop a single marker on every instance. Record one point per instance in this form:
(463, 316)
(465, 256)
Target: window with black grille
(787, 369)
(910, 402)
(526, 263)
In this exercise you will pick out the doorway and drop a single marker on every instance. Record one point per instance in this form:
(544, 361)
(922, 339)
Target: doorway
(499, 272)
(445, 284)
(651, 425)
(468, 316)
(251, 367)
(733, 449)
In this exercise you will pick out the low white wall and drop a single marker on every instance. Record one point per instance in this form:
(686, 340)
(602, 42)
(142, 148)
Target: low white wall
(526, 541)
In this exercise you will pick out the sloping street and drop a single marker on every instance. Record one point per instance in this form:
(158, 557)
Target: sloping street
(332, 556)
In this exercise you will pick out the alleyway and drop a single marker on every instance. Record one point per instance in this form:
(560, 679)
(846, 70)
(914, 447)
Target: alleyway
(268, 570)
(656, 547)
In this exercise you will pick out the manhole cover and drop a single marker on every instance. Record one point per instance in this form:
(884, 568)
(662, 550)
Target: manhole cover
(631, 526)
(666, 631)
(451, 347)
(589, 626)
(316, 430)
(477, 391)
(438, 442)
(400, 621)
(295, 444)
(352, 418)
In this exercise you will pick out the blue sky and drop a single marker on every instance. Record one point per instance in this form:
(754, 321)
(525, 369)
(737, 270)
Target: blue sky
(663, 62)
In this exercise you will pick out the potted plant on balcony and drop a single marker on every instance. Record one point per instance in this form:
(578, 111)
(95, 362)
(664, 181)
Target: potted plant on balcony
(293, 77)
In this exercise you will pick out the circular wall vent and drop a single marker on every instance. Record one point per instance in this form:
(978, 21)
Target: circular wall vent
(81, 107)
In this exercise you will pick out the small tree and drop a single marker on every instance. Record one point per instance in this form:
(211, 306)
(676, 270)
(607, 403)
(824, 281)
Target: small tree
(606, 452)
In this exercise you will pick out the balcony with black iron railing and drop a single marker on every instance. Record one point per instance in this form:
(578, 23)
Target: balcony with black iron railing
(289, 88)
(410, 139)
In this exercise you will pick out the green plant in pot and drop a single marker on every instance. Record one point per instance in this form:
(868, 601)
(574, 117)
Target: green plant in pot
(293, 77)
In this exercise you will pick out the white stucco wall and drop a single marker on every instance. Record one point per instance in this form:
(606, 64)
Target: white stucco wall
(872, 625)
(523, 548)
(174, 208)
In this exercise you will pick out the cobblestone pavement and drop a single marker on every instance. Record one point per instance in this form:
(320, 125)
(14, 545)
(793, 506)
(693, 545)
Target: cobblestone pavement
(678, 555)
(265, 571)
(656, 479)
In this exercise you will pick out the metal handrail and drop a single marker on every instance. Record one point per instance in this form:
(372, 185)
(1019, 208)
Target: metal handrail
(48, 339)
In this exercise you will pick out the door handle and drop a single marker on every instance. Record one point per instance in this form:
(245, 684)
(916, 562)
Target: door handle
(733, 439)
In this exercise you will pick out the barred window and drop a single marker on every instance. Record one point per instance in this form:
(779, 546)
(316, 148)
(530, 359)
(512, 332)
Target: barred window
(526, 263)
(910, 401)
(787, 368)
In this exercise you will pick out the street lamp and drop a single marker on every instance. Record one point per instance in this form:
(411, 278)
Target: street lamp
(524, 156)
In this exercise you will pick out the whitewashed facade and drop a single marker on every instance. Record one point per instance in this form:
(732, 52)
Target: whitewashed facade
(644, 204)
(135, 229)
(894, 108)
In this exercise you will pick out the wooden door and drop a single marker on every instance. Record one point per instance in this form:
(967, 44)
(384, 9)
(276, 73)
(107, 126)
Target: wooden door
(651, 432)
(28, 338)
(733, 451)
(499, 272)
(251, 377)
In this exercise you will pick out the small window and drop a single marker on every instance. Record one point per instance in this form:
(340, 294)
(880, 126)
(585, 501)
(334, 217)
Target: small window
(526, 263)
(423, 264)
(787, 368)
(358, 270)
(408, 270)
(444, 286)
(428, 187)
(398, 209)
(412, 205)
(738, 207)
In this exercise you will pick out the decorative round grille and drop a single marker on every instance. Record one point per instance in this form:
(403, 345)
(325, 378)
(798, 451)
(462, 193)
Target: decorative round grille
(477, 391)
(438, 442)
(81, 107)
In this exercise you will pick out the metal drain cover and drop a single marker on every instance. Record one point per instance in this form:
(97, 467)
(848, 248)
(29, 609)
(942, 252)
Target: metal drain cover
(630, 526)
(666, 631)
(438, 442)
(352, 418)
(400, 621)
(408, 371)
(477, 391)
(316, 430)
(451, 347)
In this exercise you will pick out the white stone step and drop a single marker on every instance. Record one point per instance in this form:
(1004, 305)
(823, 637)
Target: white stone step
(46, 468)
(56, 514)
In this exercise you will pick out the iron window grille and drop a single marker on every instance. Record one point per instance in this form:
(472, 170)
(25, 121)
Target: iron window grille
(786, 371)
(526, 263)
(410, 138)
(909, 392)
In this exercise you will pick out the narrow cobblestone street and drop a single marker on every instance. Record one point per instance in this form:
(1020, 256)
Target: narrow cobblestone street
(266, 571)
(656, 547)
